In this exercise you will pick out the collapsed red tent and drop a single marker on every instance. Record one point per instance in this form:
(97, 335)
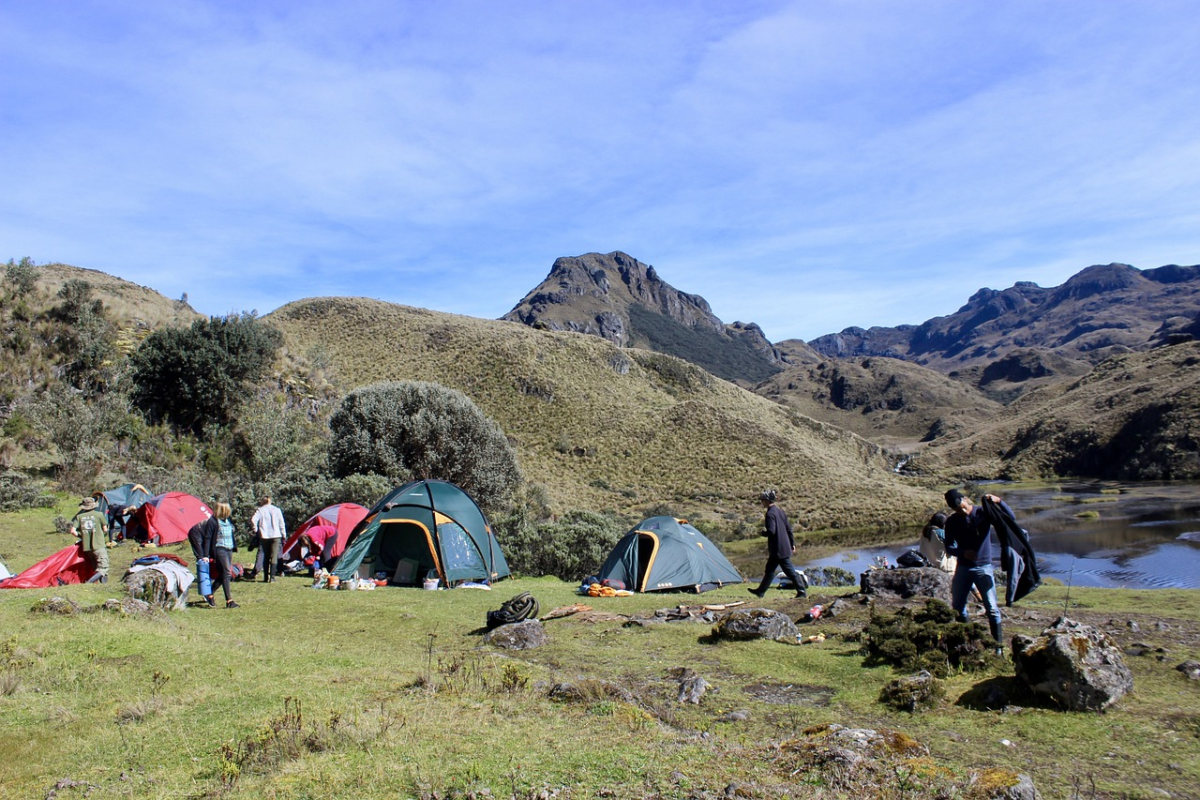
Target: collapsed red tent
(166, 519)
(343, 516)
(66, 566)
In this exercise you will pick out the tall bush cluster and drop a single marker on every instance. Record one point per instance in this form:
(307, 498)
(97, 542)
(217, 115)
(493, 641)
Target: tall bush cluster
(195, 377)
(569, 548)
(414, 429)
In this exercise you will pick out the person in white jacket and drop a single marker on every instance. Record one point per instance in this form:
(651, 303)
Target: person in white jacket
(268, 526)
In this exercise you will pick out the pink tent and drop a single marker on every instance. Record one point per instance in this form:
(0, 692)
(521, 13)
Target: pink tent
(343, 516)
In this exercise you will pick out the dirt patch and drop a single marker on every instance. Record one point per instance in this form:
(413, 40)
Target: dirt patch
(791, 694)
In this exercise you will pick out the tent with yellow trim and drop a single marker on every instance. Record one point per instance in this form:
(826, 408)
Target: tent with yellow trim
(423, 529)
(664, 554)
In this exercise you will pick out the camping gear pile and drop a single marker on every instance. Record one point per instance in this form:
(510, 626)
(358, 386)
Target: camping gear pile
(161, 580)
(516, 609)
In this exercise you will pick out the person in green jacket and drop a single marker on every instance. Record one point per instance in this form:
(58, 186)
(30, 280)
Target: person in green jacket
(89, 526)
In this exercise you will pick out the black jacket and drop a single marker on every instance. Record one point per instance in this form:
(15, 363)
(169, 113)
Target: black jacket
(1016, 554)
(203, 538)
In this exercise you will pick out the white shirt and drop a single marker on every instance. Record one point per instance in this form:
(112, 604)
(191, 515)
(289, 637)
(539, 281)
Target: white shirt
(268, 522)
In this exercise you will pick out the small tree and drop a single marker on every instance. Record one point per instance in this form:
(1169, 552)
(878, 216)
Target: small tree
(22, 275)
(89, 341)
(194, 377)
(404, 429)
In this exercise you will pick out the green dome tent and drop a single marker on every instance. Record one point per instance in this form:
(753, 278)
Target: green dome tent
(668, 554)
(425, 528)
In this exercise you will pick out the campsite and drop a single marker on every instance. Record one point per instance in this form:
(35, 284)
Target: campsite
(393, 693)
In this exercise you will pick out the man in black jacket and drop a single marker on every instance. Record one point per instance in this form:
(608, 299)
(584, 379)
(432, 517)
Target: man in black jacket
(780, 546)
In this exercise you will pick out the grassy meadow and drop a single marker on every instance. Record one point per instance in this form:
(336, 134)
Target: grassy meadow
(392, 693)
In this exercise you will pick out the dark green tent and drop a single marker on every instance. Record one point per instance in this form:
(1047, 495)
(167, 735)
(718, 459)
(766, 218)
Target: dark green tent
(422, 529)
(668, 554)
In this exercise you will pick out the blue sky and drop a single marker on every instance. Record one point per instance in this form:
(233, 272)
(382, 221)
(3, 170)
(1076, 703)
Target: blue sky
(804, 165)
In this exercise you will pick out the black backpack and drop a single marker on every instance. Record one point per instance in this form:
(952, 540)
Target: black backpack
(518, 609)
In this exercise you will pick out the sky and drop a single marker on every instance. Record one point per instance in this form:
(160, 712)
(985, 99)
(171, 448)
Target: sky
(807, 165)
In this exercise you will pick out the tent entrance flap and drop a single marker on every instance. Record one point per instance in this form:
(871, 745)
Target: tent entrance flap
(405, 539)
(647, 548)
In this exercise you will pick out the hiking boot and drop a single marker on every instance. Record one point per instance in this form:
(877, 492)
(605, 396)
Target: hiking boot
(757, 593)
(232, 604)
(802, 593)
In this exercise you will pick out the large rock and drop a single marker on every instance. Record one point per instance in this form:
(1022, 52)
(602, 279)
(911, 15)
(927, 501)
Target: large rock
(518, 635)
(906, 583)
(1076, 666)
(756, 623)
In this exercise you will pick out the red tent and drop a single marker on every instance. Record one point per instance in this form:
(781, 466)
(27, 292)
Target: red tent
(66, 566)
(344, 516)
(166, 519)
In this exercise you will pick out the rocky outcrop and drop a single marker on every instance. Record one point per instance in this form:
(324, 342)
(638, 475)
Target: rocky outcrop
(906, 583)
(756, 623)
(1075, 666)
(518, 635)
(620, 299)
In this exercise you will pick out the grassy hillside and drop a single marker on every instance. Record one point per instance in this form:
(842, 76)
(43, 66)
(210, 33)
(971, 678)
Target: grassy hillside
(885, 400)
(1133, 417)
(392, 693)
(609, 428)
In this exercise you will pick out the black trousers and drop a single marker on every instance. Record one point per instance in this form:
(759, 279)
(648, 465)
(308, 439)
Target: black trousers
(773, 564)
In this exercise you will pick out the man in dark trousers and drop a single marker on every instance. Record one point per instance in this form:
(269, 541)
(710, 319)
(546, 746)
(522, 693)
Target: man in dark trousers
(968, 538)
(780, 546)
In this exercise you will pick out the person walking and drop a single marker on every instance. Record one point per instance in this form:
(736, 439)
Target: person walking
(968, 538)
(89, 527)
(780, 546)
(270, 530)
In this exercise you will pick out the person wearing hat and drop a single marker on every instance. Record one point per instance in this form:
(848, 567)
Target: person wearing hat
(968, 538)
(88, 525)
(780, 546)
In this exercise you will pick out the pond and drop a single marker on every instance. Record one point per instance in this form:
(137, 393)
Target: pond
(1135, 536)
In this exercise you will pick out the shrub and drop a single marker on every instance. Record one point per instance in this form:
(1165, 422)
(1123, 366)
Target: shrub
(930, 639)
(194, 377)
(413, 429)
(17, 491)
(22, 275)
(569, 548)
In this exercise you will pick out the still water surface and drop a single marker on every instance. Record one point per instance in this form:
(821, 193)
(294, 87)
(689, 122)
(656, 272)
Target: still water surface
(1144, 535)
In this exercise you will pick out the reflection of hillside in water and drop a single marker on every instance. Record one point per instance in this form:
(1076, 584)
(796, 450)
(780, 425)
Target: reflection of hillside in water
(1136, 536)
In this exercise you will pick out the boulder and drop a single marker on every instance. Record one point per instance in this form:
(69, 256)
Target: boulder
(518, 635)
(756, 623)
(906, 583)
(912, 693)
(1076, 666)
(1191, 669)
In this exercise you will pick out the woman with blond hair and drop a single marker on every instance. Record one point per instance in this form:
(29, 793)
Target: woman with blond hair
(212, 540)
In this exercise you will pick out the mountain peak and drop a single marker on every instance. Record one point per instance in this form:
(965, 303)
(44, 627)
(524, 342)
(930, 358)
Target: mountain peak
(620, 299)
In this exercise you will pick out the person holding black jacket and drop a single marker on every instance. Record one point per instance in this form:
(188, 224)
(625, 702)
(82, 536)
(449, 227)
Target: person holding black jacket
(780, 547)
(212, 541)
(968, 538)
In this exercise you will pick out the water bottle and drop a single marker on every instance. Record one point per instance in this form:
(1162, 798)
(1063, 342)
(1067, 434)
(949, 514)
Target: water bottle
(814, 613)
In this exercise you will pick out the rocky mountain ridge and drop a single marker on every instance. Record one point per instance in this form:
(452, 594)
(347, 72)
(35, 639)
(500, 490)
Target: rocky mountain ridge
(618, 298)
(1101, 311)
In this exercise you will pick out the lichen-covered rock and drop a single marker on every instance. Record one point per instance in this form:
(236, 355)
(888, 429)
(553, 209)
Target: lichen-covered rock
(524, 635)
(129, 606)
(911, 693)
(1191, 669)
(1076, 666)
(756, 623)
(906, 583)
(56, 605)
(1002, 784)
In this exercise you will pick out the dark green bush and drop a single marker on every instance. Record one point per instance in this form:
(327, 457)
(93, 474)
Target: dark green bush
(569, 548)
(928, 638)
(413, 429)
(18, 491)
(195, 377)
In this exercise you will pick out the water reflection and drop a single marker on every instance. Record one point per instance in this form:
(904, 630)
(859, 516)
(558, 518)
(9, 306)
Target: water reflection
(1096, 533)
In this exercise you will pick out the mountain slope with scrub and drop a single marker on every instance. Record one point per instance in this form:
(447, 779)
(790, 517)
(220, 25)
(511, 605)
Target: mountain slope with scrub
(604, 427)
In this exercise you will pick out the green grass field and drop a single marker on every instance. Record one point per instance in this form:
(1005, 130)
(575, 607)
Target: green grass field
(392, 693)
